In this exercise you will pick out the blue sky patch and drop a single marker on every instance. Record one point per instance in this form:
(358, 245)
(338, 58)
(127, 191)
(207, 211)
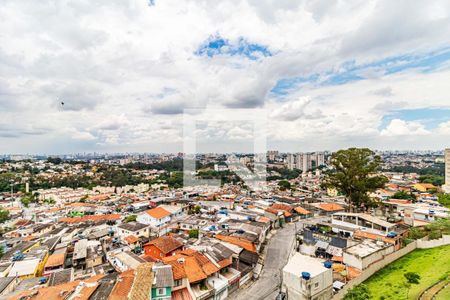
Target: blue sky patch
(429, 117)
(351, 72)
(217, 45)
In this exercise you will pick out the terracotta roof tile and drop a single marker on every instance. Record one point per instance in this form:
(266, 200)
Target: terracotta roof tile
(123, 286)
(281, 206)
(182, 294)
(191, 264)
(56, 259)
(302, 211)
(243, 243)
(330, 206)
(158, 212)
(263, 219)
(93, 218)
(60, 292)
(166, 244)
(131, 239)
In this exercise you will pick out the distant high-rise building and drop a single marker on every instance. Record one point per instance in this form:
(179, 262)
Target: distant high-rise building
(305, 161)
(446, 187)
(290, 160)
(272, 154)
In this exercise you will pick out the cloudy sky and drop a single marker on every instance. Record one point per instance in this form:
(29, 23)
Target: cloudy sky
(329, 74)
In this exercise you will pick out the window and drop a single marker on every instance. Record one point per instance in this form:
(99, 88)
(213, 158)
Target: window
(160, 291)
(316, 285)
(177, 282)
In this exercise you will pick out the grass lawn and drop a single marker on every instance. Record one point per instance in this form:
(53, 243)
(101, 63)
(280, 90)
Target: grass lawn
(430, 264)
(445, 294)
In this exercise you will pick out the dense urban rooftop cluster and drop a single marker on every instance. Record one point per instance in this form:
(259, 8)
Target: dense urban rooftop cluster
(123, 229)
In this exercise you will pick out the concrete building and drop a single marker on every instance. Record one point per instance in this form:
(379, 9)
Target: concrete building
(446, 187)
(305, 161)
(272, 154)
(364, 222)
(307, 278)
(362, 255)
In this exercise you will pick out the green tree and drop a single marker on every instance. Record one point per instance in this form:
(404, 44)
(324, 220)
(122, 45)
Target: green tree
(4, 215)
(433, 179)
(197, 209)
(411, 278)
(404, 195)
(284, 185)
(359, 292)
(415, 233)
(193, 233)
(436, 229)
(353, 172)
(444, 199)
(130, 218)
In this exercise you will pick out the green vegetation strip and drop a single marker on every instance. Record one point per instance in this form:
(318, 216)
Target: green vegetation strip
(444, 294)
(432, 265)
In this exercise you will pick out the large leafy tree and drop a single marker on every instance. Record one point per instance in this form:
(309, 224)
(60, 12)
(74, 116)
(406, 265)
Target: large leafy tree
(404, 195)
(359, 292)
(4, 215)
(354, 172)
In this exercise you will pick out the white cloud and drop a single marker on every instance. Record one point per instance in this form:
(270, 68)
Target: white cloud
(125, 70)
(399, 127)
(444, 128)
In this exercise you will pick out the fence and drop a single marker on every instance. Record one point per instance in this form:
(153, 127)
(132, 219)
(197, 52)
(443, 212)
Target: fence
(374, 268)
(425, 243)
(421, 244)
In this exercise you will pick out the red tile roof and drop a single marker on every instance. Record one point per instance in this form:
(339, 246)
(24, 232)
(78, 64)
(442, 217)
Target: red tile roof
(158, 213)
(241, 242)
(182, 294)
(302, 211)
(93, 218)
(191, 264)
(61, 292)
(272, 210)
(166, 244)
(330, 206)
(281, 206)
(123, 286)
(131, 239)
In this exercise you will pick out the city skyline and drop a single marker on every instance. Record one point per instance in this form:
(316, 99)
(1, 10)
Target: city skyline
(117, 76)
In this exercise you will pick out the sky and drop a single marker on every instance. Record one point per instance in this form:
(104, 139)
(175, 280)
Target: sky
(327, 74)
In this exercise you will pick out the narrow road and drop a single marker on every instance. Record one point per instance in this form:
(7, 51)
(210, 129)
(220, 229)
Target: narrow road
(267, 286)
(268, 283)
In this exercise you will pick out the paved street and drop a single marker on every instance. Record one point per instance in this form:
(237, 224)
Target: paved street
(268, 284)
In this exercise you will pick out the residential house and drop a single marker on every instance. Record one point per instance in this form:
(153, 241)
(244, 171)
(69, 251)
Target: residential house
(307, 278)
(130, 232)
(125, 260)
(122, 288)
(326, 209)
(163, 282)
(143, 281)
(158, 218)
(161, 247)
(55, 262)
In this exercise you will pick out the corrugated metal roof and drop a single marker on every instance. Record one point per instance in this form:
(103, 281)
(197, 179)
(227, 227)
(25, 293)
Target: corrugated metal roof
(163, 276)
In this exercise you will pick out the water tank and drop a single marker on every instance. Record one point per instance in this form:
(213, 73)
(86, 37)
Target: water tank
(328, 264)
(306, 275)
